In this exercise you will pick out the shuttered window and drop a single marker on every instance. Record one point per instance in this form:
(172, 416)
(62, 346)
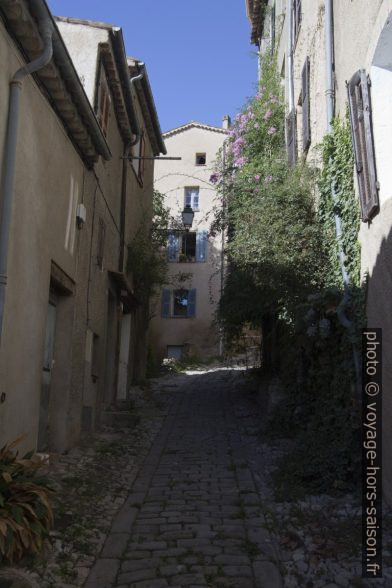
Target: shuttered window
(166, 299)
(141, 154)
(104, 101)
(191, 303)
(273, 28)
(362, 135)
(172, 247)
(178, 303)
(291, 138)
(297, 17)
(305, 106)
(101, 242)
(201, 246)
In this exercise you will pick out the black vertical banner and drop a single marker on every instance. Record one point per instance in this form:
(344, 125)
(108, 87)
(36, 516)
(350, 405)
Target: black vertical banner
(372, 453)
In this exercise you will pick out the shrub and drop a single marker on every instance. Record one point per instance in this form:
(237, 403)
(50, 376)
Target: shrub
(25, 512)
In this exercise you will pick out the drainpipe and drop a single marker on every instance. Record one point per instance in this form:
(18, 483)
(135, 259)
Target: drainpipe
(46, 30)
(330, 98)
(124, 176)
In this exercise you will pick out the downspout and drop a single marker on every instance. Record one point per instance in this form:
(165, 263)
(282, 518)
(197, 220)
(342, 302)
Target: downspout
(124, 176)
(46, 31)
(330, 98)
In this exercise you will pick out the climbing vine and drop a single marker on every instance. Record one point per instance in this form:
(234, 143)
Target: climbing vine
(337, 172)
(146, 261)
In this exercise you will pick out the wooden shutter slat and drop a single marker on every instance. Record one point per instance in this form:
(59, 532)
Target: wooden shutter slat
(166, 298)
(362, 137)
(191, 303)
(172, 247)
(201, 246)
(305, 106)
(291, 142)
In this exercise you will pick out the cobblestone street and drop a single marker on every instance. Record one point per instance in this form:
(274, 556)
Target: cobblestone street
(193, 516)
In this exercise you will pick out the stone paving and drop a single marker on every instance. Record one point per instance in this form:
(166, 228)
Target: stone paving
(193, 517)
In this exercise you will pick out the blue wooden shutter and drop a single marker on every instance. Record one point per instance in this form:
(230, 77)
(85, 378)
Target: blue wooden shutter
(191, 303)
(201, 245)
(172, 247)
(166, 297)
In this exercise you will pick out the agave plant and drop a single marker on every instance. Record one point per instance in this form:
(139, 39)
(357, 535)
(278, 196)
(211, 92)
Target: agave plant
(25, 512)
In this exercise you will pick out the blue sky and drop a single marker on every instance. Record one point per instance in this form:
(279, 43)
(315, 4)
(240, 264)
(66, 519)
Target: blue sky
(199, 58)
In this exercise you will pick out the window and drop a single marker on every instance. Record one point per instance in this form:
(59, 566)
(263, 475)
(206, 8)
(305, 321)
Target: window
(138, 151)
(187, 247)
(305, 106)
(201, 158)
(101, 242)
(273, 28)
(180, 306)
(291, 138)
(192, 197)
(362, 135)
(104, 101)
(297, 18)
(180, 303)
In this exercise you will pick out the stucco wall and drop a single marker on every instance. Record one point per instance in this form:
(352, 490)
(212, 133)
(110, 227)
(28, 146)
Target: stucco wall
(362, 40)
(46, 162)
(171, 177)
(79, 40)
(50, 180)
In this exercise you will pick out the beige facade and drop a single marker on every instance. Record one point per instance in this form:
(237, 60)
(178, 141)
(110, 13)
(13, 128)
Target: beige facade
(362, 40)
(196, 263)
(73, 336)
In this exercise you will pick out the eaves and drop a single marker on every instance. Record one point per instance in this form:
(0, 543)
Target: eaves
(59, 80)
(146, 101)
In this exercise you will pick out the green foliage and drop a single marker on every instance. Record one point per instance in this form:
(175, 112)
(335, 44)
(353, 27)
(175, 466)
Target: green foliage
(284, 264)
(146, 260)
(337, 172)
(25, 513)
(274, 237)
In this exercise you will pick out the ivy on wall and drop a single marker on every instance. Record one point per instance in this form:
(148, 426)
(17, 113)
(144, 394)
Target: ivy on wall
(337, 172)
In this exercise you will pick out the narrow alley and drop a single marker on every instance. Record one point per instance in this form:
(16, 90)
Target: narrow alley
(193, 516)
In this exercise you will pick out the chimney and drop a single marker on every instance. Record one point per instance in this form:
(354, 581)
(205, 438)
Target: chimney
(226, 122)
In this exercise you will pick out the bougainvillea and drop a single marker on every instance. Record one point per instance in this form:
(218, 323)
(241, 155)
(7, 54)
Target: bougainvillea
(269, 208)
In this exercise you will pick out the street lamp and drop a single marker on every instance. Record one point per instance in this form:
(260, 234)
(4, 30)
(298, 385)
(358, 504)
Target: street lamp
(187, 217)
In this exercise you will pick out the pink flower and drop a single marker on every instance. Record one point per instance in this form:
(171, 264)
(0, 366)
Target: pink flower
(240, 161)
(256, 125)
(274, 99)
(257, 178)
(271, 131)
(268, 114)
(268, 179)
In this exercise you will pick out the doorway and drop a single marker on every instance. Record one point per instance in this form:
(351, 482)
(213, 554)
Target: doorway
(44, 414)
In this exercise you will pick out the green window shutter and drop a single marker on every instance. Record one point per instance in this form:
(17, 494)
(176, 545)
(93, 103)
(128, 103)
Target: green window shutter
(166, 299)
(362, 136)
(201, 245)
(192, 303)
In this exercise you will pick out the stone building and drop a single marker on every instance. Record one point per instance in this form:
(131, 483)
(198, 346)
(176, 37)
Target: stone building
(331, 54)
(72, 331)
(183, 321)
